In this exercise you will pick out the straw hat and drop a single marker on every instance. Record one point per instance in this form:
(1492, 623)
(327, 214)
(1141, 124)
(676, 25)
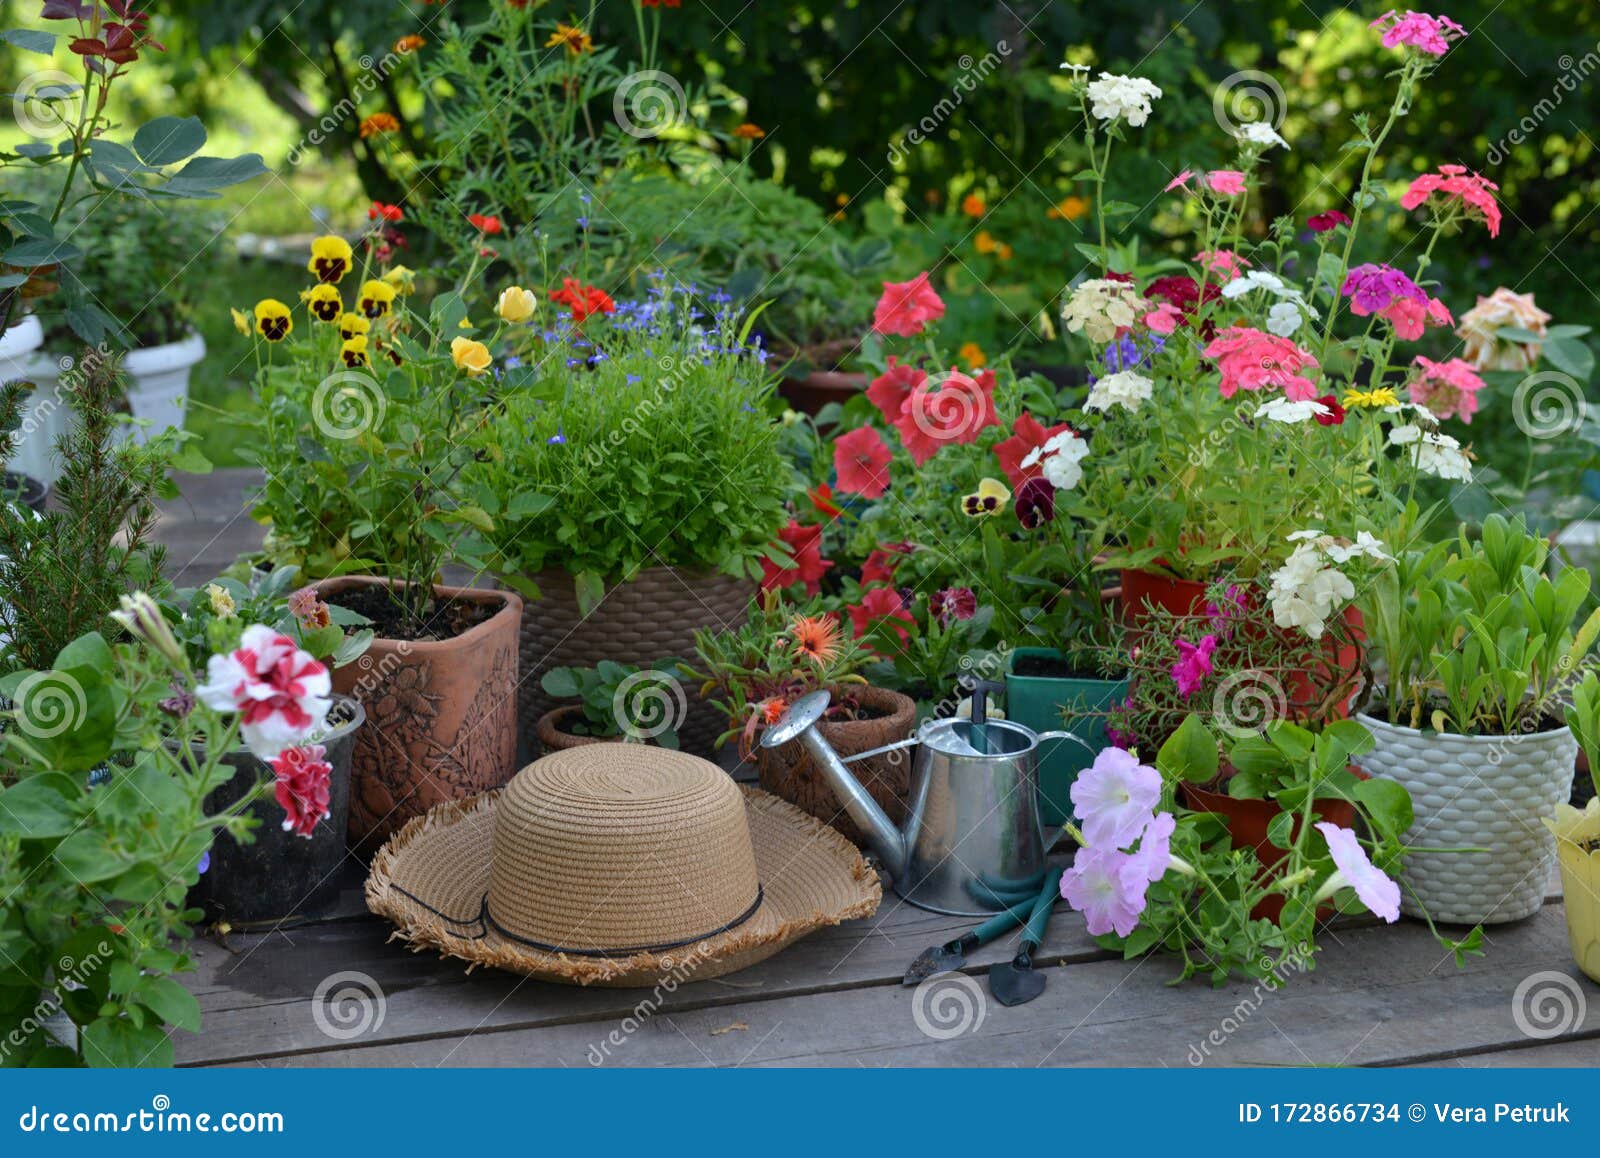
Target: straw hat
(618, 864)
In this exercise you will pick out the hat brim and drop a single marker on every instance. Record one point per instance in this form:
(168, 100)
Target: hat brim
(431, 876)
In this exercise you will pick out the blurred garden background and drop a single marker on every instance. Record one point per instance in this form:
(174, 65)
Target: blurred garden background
(817, 149)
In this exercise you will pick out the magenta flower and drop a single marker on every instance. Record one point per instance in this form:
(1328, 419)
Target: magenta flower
(1108, 888)
(1418, 30)
(1331, 219)
(1371, 288)
(1194, 664)
(1221, 616)
(1446, 389)
(1180, 181)
(1114, 797)
(1352, 867)
(1155, 847)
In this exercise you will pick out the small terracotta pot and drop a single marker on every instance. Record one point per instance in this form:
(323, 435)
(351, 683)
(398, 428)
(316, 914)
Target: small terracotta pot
(441, 714)
(1247, 822)
(553, 739)
(820, 387)
(790, 774)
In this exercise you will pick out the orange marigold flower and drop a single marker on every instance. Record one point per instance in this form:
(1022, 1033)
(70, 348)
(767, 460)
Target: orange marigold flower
(972, 205)
(749, 131)
(576, 40)
(379, 123)
(1068, 209)
(972, 354)
(409, 44)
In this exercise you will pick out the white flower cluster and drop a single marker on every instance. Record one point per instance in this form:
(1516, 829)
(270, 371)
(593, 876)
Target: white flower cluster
(1288, 313)
(1283, 410)
(1309, 588)
(1438, 455)
(1125, 388)
(1261, 134)
(1122, 98)
(1062, 458)
(1100, 307)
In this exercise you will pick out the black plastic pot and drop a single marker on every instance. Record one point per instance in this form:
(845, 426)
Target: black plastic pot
(25, 489)
(281, 879)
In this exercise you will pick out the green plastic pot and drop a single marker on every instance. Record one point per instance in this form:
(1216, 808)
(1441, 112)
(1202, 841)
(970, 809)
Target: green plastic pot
(1038, 702)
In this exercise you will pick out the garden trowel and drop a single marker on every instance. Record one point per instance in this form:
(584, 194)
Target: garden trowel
(952, 955)
(1015, 982)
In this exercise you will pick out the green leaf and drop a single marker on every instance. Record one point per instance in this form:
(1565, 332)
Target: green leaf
(39, 807)
(590, 589)
(203, 176)
(1570, 356)
(559, 681)
(168, 140)
(1279, 829)
(527, 504)
(171, 1002)
(31, 40)
(115, 1042)
(1190, 753)
(87, 857)
(1387, 803)
(39, 251)
(90, 651)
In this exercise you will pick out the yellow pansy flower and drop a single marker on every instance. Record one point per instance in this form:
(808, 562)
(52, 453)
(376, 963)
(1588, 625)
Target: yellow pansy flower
(331, 258)
(990, 498)
(354, 351)
(516, 304)
(403, 278)
(470, 355)
(324, 302)
(353, 326)
(376, 297)
(241, 321)
(272, 320)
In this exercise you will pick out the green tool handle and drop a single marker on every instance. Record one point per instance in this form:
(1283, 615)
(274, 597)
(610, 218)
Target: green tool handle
(1033, 935)
(1002, 921)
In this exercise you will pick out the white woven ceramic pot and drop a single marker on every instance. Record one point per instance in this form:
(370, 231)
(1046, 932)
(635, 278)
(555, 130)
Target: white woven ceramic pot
(1485, 792)
(158, 383)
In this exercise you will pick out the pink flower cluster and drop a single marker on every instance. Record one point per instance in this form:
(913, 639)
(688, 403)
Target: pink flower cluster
(1455, 182)
(1252, 360)
(1194, 664)
(1115, 800)
(929, 412)
(1446, 389)
(1419, 30)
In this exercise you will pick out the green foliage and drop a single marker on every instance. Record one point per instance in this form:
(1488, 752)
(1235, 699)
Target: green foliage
(1583, 717)
(621, 701)
(208, 620)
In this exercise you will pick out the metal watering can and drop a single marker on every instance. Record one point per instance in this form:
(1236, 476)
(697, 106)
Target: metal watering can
(973, 841)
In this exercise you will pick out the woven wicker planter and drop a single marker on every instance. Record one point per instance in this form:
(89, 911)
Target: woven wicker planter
(653, 616)
(1476, 792)
(790, 774)
(441, 715)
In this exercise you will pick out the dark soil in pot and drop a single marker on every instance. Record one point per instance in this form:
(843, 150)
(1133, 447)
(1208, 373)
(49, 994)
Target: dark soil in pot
(24, 489)
(445, 618)
(1055, 667)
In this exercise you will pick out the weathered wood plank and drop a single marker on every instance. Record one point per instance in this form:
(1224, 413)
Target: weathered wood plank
(1379, 996)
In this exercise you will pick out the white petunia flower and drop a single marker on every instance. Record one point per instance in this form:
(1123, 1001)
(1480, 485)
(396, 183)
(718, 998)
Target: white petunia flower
(1122, 98)
(1261, 134)
(1063, 457)
(1126, 389)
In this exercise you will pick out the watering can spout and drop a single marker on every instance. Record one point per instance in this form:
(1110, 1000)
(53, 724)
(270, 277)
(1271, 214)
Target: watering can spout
(799, 724)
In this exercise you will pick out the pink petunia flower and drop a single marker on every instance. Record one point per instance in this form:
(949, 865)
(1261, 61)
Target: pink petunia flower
(1108, 888)
(879, 603)
(1252, 360)
(303, 787)
(889, 390)
(1154, 854)
(1194, 664)
(906, 307)
(1352, 867)
(1454, 182)
(1446, 389)
(1114, 797)
(951, 408)
(1418, 30)
(861, 460)
(280, 692)
(1180, 181)
(1229, 182)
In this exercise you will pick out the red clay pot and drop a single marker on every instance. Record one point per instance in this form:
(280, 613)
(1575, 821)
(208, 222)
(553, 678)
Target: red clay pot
(820, 387)
(441, 714)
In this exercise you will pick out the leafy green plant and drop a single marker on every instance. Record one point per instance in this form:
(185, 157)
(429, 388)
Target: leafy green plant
(925, 655)
(206, 620)
(1476, 638)
(1583, 717)
(619, 701)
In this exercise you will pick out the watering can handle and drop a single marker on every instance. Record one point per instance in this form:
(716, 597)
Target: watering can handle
(1064, 735)
(980, 699)
(895, 747)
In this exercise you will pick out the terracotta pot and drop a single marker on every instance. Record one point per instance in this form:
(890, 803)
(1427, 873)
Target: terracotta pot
(1335, 682)
(553, 739)
(790, 774)
(441, 714)
(651, 617)
(820, 387)
(1247, 822)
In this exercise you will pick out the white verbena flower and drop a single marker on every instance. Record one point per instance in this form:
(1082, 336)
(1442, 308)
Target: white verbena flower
(1122, 98)
(1126, 388)
(1284, 319)
(1261, 134)
(1283, 410)
(1438, 455)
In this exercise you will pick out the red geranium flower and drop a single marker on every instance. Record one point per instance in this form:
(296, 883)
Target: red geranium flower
(1027, 435)
(805, 546)
(861, 460)
(485, 224)
(906, 307)
(583, 300)
(890, 389)
(879, 603)
(951, 408)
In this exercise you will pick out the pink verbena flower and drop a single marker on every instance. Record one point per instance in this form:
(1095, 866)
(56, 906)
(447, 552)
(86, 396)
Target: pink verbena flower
(304, 779)
(1252, 360)
(1447, 389)
(1194, 664)
(1114, 797)
(1418, 30)
(1454, 182)
(1108, 888)
(1409, 316)
(1229, 182)
(906, 307)
(280, 692)
(1353, 868)
(1372, 288)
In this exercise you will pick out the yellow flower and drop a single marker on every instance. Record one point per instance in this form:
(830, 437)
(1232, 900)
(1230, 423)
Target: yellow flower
(376, 297)
(1068, 209)
(272, 320)
(972, 354)
(324, 302)
(402, 278)
(222, 603)
(749, 131)
(241, 321)
(577, 41)
(516, 305)
(990, 498)
(353, 326)
(330, 258)
(354, 351)
(471, 356)
(1377, 399)
(986, 243)
(1004, 252)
